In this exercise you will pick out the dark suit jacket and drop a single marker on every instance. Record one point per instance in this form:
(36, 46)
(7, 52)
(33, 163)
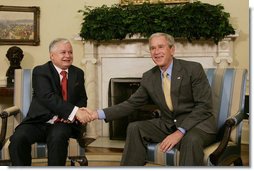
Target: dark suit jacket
(47, 98)
(190, 93)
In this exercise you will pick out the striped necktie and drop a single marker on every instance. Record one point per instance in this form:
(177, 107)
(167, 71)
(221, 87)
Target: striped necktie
(64, 85)
(166, 90)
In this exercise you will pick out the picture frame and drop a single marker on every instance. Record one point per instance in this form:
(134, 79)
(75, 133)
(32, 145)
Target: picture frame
(137, 2)
(19, 25)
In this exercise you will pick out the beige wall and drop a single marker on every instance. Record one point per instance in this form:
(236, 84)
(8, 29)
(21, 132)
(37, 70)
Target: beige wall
(239, 17)
(59, 18)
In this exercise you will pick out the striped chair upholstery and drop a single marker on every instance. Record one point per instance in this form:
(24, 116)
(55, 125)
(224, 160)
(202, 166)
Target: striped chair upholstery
(228, 88)
(22, 99)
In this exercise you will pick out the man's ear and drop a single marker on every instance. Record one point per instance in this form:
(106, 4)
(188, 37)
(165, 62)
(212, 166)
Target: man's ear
(172, 50)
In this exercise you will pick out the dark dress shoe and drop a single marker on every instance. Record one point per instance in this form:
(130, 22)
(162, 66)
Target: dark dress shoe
(82, 160)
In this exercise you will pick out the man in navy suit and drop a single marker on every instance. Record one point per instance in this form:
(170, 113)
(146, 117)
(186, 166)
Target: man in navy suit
(51, 118)
(188, 123)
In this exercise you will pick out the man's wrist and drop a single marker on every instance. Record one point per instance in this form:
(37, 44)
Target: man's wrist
(101, 114)
(73, 114)
(183, 131)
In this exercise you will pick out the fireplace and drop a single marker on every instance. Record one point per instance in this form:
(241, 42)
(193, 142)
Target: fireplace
(130, 58)
(121, 89)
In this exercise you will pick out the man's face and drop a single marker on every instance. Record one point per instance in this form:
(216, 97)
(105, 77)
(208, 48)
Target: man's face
(62, 55)
(160, 51)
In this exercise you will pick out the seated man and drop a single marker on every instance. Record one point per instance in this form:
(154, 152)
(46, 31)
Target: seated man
(182, 92)
(58, 96)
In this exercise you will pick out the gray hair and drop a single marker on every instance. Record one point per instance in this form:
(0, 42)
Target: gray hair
(169, 38)
(52, 45)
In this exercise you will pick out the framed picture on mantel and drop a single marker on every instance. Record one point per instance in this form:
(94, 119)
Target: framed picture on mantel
(19, 25)
(136, 2)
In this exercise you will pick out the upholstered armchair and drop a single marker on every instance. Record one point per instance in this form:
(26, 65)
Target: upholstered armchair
(228, 88)
(12, 116)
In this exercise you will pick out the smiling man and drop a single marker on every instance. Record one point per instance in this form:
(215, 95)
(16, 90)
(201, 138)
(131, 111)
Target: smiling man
(183, 95)
(58, 96)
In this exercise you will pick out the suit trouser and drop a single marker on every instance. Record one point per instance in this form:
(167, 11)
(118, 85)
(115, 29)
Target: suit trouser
(56, 137)
(140, 133)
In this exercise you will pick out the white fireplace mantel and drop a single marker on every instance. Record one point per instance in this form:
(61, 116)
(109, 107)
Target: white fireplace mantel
(130, 58)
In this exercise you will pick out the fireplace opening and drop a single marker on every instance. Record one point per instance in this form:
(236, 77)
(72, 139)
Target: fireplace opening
(120, 89)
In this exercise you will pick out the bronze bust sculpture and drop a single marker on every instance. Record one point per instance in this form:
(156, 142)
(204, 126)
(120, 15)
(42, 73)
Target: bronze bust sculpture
(15, 56)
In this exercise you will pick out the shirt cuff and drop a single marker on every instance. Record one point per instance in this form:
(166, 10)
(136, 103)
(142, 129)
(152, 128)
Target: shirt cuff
(181, 130)
(73, 113)
(101, 114)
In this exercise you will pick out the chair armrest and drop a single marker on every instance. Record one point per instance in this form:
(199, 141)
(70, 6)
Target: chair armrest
(11, 111)
(229, 124)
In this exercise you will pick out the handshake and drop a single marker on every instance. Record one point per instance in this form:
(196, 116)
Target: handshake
(85, 115)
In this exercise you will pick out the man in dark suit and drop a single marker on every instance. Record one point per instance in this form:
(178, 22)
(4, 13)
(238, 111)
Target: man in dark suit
(52, 116)
(186, 120)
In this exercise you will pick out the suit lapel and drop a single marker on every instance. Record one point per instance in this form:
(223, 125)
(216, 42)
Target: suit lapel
(71, 82)
(176, 80)
(157, 84)
(56, 77)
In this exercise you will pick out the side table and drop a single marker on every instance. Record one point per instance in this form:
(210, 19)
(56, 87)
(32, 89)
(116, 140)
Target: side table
(7, 91)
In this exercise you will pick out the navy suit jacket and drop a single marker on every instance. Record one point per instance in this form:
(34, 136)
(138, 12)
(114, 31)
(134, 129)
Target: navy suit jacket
(47, 99)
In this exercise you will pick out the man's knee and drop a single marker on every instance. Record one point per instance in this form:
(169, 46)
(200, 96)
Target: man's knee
(58, 136)
(19, 137)
(189, 138)
(192, 140)
(134, 126)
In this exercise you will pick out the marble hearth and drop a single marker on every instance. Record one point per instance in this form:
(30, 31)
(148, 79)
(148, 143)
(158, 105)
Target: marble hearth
(130, 58)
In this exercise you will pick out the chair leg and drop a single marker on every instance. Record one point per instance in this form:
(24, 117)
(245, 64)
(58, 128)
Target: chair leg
(238, 162)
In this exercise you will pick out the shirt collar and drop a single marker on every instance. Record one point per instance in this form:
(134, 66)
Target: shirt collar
(59, 69)
(169, 70)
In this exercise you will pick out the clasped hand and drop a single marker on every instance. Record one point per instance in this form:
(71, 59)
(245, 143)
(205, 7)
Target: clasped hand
(85, 115)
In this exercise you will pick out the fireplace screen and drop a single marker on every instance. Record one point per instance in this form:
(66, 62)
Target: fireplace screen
(120, 89)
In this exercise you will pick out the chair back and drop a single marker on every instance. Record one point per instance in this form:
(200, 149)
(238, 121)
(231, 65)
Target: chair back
(22, 98)
(228, 92)
(22, 91)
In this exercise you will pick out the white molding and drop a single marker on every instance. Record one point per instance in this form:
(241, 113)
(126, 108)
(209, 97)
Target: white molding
(3, 81)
